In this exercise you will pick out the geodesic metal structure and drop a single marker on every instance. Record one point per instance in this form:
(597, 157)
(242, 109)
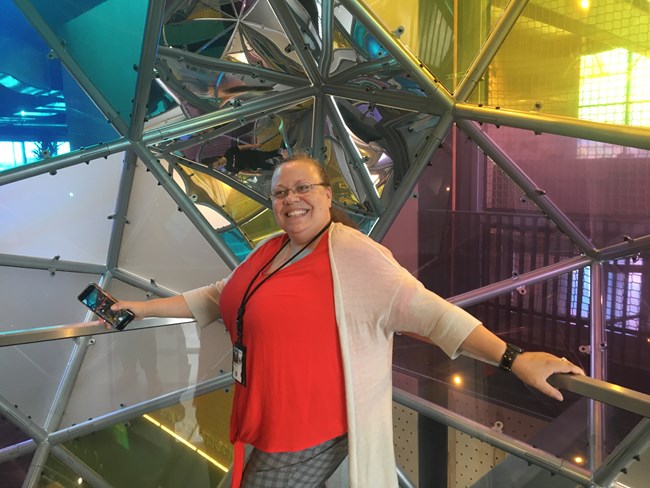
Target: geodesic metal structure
(499, 121)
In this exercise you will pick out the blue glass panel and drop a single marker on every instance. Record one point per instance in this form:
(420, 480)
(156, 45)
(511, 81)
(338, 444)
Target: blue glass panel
(236, 241)
(43, 111)
(104, 37)
(159, 101)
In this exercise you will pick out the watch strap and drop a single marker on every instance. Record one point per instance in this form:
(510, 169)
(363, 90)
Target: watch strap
(509, 356)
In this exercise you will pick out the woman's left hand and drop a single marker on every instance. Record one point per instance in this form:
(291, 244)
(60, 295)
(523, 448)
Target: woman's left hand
(534, 368)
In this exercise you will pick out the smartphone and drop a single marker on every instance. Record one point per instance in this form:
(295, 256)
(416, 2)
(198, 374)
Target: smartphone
(100, 302)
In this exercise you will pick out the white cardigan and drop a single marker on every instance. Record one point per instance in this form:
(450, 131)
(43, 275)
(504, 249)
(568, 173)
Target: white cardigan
(374, 297)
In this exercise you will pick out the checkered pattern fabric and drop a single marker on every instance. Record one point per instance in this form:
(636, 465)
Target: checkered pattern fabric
(309, 468)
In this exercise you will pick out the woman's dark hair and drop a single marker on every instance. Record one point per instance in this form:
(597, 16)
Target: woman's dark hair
(336, 214)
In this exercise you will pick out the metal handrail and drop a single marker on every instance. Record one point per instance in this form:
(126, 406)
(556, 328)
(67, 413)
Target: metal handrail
(602, 391)
(509, 444)
(609, 393)
(69, 331)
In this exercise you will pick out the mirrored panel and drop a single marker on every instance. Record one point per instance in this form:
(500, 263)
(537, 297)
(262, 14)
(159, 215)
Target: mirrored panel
(360, 59)
(220, 54)
(386, 140)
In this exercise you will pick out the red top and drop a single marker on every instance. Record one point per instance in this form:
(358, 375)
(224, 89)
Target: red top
(294, 396)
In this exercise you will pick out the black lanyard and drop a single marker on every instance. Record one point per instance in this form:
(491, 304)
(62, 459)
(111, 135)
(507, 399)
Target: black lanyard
(247, 296)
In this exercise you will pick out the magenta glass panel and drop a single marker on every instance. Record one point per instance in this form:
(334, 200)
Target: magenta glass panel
(551, 316)
(602, 188)
(462, 244)
(13, 472)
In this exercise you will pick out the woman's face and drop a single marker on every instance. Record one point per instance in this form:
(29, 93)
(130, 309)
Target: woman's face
(301, 216)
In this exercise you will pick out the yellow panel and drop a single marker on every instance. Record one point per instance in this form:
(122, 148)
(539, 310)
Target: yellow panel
(260, 227)
(405, 16)
(472, 26)
(574, 58)
(444, 34)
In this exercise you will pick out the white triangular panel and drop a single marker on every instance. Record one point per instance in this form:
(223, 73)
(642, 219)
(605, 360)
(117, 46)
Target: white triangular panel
(33, 298)
(161, 243)
(64, 215)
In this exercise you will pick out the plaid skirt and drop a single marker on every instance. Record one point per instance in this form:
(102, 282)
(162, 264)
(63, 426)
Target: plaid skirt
(309, 468)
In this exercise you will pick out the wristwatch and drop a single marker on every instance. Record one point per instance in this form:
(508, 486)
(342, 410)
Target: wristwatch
(509, 357)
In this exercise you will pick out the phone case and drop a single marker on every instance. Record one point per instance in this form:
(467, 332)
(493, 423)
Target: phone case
(99, 302)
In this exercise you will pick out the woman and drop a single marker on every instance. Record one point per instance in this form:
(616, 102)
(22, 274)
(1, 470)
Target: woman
(314, 340)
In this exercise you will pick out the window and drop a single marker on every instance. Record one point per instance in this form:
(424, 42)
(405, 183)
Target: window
(623, 301)
(18, 153)
(614, 89)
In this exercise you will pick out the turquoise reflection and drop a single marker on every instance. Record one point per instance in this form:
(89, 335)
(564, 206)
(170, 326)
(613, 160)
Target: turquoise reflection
(237, 243)
(104, 38)
(43, 110)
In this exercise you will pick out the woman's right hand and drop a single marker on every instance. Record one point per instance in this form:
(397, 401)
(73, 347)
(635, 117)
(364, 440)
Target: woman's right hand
(174, 306)
(138, 308)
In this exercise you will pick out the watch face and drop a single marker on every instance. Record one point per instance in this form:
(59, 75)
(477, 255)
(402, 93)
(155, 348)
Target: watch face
(516, 348)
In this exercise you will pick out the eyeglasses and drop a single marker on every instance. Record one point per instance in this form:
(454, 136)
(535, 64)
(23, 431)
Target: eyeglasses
(298, 189)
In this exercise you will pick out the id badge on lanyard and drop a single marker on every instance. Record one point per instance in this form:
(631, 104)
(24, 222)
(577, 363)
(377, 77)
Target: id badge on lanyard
(239, 363)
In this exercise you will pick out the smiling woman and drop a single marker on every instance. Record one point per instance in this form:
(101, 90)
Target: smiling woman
(312, 355)
(302, 201)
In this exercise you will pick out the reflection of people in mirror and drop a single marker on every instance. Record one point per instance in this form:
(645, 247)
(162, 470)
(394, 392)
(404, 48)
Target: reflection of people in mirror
(318, 330)
(246, 158)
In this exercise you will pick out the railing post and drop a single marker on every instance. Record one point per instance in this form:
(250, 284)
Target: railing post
(598, 365)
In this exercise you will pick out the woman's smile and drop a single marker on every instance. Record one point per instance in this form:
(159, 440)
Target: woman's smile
(297, 212)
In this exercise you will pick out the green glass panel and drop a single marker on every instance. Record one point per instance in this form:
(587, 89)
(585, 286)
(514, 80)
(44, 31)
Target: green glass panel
(183, 445)
(586, 60)
(55, 473)
(260, 227)
(104, 38)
